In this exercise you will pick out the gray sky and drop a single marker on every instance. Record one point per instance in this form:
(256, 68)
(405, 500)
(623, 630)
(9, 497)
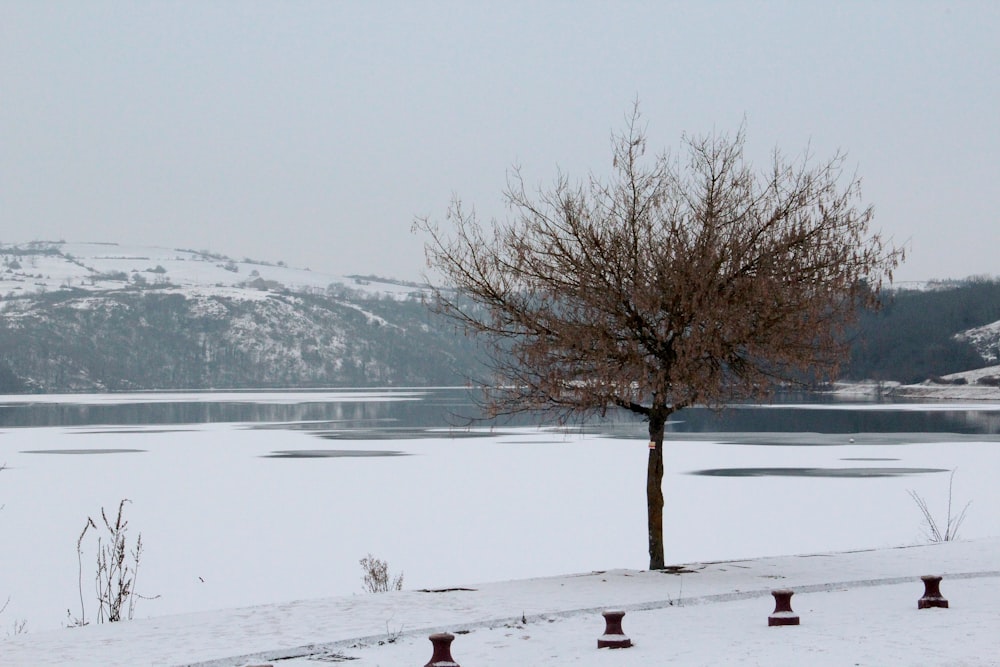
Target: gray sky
(314, 132)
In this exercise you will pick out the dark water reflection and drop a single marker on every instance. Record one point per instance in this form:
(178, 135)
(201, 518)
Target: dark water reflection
(424, 412)
(839, 418)
(431, 408)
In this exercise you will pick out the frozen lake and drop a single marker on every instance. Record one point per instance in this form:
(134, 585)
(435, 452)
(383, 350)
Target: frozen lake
(251, 497)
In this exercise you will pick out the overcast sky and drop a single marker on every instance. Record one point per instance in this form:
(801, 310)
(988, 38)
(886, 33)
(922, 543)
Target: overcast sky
(314, 132)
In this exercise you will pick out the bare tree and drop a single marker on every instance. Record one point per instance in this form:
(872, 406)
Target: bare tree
(680, 280)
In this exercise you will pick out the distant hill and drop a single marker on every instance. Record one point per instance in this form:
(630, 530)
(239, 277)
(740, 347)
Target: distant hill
(102, 316)
(94, 317)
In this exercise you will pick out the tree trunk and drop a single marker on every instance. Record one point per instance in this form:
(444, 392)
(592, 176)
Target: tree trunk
(654, 488)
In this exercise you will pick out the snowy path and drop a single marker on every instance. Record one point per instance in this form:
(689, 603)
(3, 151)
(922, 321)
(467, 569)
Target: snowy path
(717, 609)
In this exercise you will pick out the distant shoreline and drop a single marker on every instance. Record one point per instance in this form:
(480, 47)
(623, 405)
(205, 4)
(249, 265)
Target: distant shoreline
(965, 386)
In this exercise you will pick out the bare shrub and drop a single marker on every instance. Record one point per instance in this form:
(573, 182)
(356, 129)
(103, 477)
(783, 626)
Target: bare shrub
(18, 627)
(937, 379)
(18, 624)
(952, 522)
(376, 577)
(117, 569)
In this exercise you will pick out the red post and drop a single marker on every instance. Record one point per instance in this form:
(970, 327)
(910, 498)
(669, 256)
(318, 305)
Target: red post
(783, 614)
(442, 650)
(614, 636)
(932, 593)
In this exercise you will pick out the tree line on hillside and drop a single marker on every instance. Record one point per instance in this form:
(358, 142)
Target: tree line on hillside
(912, 337)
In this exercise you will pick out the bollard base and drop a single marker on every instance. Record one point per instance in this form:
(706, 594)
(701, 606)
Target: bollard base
(928, 603)
(782, 618)
(614, 641)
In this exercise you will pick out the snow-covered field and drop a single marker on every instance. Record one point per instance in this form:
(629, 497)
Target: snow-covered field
(227, 524)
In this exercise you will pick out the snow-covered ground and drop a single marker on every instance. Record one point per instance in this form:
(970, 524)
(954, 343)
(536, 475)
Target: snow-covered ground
(238, 520)
(855, 608)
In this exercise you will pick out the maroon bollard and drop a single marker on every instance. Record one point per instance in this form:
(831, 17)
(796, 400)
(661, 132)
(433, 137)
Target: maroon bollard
(442, 650)
(783, 614)
(614, 636)
(932, 593)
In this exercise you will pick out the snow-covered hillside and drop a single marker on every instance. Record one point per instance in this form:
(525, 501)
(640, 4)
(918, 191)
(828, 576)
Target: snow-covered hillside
(184, 319)
(43, 266)
(986, 340)
(94, 317)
